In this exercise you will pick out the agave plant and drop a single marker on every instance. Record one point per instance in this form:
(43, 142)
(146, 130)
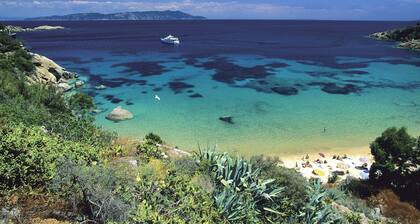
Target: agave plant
(236, 178)
(317, 210)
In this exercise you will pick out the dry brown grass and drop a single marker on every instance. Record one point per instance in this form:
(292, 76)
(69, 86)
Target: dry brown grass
(393, 207)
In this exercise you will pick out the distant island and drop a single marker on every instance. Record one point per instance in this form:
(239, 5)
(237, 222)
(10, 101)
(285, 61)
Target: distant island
(146, 15)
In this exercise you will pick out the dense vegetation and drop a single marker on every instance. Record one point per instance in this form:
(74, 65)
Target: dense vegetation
(50, 146)
(397, 163)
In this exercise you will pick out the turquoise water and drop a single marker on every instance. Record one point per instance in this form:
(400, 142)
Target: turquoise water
(264, 122)
(290, 86)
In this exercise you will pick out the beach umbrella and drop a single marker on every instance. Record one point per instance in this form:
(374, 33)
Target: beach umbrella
(318, 172)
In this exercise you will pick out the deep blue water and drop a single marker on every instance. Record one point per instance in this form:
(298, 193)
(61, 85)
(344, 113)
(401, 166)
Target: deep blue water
(283, 82)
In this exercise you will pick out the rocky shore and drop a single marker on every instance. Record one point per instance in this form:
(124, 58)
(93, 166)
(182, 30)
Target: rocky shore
(49, 72)
(16, 29)
(408, 37)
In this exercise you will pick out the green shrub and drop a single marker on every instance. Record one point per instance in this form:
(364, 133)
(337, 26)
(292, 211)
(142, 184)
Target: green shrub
(28, 156)
(150, 147)
(153, 138)
(397, 161)
(102, 193)
(165, 196)
(353, 218)
(81, 104)
(8, 44)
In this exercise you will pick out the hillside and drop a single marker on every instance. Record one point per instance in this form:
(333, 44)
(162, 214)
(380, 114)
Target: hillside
(146, 15)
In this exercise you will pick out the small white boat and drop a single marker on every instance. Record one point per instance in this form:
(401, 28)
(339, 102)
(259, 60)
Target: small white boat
(170, 40)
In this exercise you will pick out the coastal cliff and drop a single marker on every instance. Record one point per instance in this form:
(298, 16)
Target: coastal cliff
(408, 37)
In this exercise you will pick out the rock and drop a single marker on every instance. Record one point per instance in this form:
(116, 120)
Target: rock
(64, 86)
(100, 87)
(119, 114)
(47, 71)
(381, 35)
(411, 44)
(79, 84)
(285, 90)
(45, 27)
(227, 119)
(38, 28)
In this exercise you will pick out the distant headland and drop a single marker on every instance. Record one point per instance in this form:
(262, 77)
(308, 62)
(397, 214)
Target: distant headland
(145, 15)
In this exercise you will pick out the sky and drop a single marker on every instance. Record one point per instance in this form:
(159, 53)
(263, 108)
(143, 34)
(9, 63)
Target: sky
(226, 9)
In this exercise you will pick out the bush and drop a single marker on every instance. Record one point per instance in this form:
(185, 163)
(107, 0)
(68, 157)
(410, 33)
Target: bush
(102, 193)
(397, 162)
(357, 187)
(165, 196)
(153, 138)
(81, 103)
(28, 156)
(150, 148)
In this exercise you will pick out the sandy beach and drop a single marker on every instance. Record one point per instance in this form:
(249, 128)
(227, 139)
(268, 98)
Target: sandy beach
(344, 162)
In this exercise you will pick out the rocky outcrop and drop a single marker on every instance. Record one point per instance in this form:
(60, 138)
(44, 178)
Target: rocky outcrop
(411, 44)
(119, 114)
(408, 37)
(17, 29)
(49, 72)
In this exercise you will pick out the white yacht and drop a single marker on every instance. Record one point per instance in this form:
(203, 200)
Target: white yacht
(170, 40)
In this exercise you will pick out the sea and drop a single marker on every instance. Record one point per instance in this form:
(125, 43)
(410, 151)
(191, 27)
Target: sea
(288, 86)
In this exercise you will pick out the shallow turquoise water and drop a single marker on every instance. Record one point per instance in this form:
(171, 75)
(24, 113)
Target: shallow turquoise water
(264, 122)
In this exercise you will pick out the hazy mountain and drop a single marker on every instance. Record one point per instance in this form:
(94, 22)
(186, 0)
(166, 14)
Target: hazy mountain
(146, 15)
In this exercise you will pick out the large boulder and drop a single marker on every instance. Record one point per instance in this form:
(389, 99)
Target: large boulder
(119, 114)
(47, 71)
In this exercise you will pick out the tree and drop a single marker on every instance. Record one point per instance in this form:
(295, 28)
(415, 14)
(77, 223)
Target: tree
(81, 103)
(397, 162)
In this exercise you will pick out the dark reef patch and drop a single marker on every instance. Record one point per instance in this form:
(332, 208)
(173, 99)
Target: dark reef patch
(322, 74)
(144, 92)
(277, 65)
(190, 61)
(196, 95)
(228, 72)
(145, 68)
(178, 87)
(190, 91)
(285, 90)
(113, 99)
(157, 89)
(128, 103)
(333, 88)
(356, 72)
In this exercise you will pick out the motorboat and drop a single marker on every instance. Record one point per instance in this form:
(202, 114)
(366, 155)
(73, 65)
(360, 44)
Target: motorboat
(170, 40)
